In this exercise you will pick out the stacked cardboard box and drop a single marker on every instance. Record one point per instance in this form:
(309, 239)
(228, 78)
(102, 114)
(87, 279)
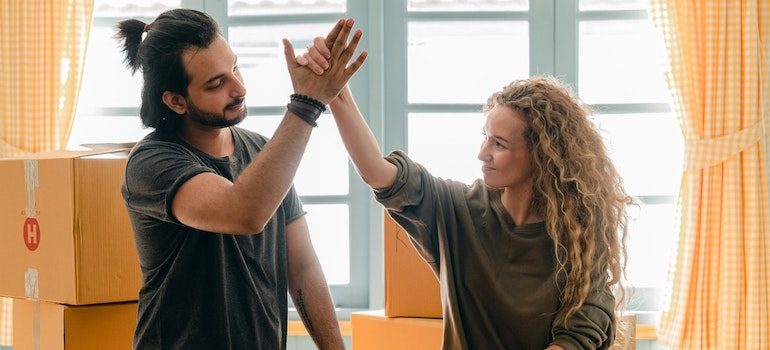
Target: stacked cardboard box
(412, 315)
(66, 249)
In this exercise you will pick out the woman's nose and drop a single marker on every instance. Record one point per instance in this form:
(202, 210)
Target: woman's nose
(483, 154)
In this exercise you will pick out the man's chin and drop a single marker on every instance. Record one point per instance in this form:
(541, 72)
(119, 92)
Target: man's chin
(238, 119)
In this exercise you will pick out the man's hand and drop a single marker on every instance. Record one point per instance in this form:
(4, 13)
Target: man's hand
(326, 86)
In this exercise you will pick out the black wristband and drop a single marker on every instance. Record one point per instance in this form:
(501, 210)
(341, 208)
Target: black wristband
(305, 111)
(309, 100)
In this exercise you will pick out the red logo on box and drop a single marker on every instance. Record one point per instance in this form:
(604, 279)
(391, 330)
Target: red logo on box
(31, 234)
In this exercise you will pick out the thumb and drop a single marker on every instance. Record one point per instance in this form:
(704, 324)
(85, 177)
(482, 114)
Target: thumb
(288, 52)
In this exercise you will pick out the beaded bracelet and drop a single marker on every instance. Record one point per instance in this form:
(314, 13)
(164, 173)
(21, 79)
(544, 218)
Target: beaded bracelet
(310, 100)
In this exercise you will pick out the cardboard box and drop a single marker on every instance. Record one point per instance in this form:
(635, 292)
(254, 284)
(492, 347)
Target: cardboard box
(65, 236)
(411, 288)
(372, 330)
(50, 326)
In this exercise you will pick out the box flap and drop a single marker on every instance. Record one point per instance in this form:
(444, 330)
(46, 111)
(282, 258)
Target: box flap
(64, 154)
(405, 269)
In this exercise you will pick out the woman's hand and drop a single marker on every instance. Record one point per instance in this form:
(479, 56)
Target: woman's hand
(317, 55)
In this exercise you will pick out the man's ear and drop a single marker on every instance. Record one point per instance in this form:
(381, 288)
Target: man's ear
(175, 102)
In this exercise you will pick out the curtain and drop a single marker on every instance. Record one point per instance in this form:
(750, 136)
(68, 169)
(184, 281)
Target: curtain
(42, 48)
(719, 293)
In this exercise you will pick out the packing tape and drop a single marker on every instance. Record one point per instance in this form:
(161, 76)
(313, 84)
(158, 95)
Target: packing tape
(31, 292)
(31, 183)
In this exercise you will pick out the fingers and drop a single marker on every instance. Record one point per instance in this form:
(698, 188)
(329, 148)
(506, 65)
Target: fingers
(353, 68)
(351, 48)
(317, 57)
(288, 53)
(342, 38)
(332, 36)
(312, 63)
(320, 44)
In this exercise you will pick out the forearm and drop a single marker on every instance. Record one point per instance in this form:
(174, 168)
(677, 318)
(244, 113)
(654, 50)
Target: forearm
(592, 326)
(360, 142)
(314, 304)
(264, 183)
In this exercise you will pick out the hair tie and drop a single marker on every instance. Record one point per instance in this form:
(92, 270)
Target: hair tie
(146, 27)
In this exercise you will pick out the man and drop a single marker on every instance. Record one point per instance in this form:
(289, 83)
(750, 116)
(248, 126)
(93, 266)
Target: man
(219, 229)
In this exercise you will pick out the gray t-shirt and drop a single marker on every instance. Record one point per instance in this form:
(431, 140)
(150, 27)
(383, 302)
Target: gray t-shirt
(497, 279)
(204, 290)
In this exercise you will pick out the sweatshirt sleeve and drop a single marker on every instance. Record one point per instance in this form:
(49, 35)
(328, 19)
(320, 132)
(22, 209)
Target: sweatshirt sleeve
(412, 202)
(592, 326)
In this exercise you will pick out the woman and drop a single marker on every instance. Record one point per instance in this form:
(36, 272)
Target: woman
(526, 257)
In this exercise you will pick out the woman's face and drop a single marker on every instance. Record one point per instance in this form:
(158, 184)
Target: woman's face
(504, 152)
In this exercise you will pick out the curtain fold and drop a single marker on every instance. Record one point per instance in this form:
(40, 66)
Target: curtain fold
(719, 54)
(42, 49)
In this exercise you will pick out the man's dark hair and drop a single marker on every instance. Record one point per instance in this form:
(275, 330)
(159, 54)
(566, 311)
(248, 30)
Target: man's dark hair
(159, 57)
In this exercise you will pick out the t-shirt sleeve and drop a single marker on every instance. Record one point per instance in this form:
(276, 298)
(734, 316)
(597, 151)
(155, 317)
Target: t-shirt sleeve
(412, 202)
(592, 326)
(154, 173)
(292, 206)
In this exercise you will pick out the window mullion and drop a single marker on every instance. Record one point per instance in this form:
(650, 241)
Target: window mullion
(565, 51)
(217, 9)
(541, 37)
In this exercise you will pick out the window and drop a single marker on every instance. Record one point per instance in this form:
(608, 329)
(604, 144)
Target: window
(432, 63)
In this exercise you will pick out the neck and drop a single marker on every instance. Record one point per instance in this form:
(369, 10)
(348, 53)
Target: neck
(518, 203)
(216, 142)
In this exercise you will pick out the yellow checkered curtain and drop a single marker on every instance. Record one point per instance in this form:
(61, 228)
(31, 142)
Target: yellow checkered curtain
(42, 48)
(6, 332)
(719, 52)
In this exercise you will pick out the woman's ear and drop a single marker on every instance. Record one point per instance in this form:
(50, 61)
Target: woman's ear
(175, 102)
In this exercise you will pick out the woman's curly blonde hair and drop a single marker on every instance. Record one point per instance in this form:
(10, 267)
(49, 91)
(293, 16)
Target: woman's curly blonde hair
(576, 187)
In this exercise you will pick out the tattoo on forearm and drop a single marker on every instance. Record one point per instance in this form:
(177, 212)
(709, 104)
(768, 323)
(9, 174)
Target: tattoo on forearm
(302, 311)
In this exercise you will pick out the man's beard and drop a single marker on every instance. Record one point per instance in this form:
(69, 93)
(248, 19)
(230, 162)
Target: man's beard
(217, 120)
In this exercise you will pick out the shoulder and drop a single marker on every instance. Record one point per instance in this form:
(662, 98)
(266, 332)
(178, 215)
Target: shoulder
(157, 145)
(249, 137)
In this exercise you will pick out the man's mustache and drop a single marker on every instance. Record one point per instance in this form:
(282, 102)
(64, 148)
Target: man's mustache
(235, 102)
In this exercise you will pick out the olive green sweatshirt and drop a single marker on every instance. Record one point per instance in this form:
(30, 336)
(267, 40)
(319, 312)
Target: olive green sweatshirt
(497, 280)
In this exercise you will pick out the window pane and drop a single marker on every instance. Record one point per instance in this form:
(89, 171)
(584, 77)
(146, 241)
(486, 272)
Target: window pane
(465, 62)
(603, 5)
(324, 166)
(106, 81)
(467, 5)
(272, 7)
(451, 152)
(330, 234)
(647, 149)
(133, 8)
(621, 62)
(260, 57)
(105, 129)
(650, 244)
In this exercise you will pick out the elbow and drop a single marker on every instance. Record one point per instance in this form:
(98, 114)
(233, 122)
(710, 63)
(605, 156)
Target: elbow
(375, 182)
(247, 226)
(256, 226)
(382, 177)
